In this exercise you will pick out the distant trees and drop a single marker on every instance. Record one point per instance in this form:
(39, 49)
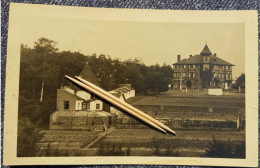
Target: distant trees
(241, 80)
(239, 83)
(143, 78)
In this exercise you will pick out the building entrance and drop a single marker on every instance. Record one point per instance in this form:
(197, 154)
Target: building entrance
(188, 84)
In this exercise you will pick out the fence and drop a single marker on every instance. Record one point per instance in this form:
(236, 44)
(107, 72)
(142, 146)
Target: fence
(131, 123)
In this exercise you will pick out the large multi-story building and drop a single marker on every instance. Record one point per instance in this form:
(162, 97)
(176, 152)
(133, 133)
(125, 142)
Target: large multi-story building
(203, 70)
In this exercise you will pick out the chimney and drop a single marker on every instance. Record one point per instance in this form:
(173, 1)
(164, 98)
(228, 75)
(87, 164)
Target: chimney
(178, 57)
(215, 54)
(190, 56)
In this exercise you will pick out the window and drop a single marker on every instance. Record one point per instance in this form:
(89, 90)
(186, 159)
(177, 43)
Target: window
(191, 75)
(79, 106)
(84, 105)
(66, 105)
(97, 106)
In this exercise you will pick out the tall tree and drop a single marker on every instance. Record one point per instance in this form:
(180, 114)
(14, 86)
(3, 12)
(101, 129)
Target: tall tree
(241, 80)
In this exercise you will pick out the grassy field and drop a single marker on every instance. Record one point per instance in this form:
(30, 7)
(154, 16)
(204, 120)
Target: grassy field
(211, 101)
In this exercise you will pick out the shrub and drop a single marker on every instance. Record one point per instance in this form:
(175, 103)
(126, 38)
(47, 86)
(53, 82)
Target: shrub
(225, 149)
(164, 147)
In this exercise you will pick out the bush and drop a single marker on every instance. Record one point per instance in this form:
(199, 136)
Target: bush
(116, 148)
(225, 149)
(164, 147)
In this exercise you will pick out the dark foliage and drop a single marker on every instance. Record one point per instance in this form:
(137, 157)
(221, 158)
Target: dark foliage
(241, 80)
(28, 136)
(113, 149)
(164, 147)
(225, 149)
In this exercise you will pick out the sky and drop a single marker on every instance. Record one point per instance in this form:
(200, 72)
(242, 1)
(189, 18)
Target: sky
(151, 42)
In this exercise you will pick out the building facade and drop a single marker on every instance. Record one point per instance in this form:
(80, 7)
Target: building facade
(202, 71)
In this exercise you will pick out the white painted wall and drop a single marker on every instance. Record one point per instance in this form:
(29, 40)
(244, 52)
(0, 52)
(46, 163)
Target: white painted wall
(132, 93)
(215, 92)
(78, 104)
(94, 103)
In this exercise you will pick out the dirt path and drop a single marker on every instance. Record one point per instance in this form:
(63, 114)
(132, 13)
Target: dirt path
(100, 136)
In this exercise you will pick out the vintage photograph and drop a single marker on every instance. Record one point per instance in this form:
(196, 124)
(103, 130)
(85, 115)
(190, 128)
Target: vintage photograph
(188, 76)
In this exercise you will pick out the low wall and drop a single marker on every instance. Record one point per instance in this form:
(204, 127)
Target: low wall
(215, 91)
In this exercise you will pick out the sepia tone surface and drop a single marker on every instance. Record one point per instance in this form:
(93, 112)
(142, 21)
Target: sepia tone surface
(88, 127)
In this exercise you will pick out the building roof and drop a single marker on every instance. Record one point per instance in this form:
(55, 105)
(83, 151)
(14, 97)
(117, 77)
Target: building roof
(115, 94)
(73, 95)
(198, 59)
(89, 75)
(205, 51)
(121, 90)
